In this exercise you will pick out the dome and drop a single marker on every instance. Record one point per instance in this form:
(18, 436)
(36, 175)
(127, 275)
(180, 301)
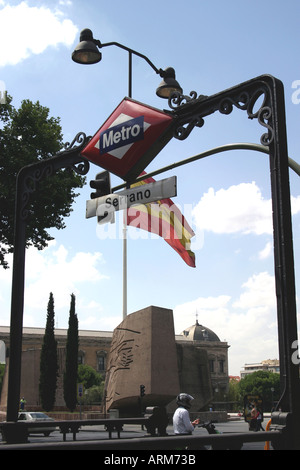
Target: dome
(199, 333)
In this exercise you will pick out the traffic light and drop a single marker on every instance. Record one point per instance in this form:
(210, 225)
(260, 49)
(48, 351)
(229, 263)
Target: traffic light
(101, 184)
(142, 391)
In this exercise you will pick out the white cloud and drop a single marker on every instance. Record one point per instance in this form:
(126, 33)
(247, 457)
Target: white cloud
(247, 323)
(266, 252)
(238, 209)
(55, 270)
(52, 271)
(29, 30)
(259, 292)
(295, 205)
(103, 323)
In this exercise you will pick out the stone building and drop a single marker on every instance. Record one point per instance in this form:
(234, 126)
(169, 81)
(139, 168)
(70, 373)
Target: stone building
(202, 338)
(202, 359)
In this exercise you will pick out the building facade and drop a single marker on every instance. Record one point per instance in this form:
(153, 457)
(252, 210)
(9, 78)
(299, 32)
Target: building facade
(198, 349)
(270, 365)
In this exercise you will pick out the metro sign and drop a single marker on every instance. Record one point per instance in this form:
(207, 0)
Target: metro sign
(129, 139)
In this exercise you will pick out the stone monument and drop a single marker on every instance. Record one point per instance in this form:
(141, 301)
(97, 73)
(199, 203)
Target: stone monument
(143, 352)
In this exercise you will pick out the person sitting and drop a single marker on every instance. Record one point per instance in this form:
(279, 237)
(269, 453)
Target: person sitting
(181, 418)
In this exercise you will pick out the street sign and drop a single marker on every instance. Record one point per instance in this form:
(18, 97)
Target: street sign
(80, 390)
(129, 139)
(142, 194)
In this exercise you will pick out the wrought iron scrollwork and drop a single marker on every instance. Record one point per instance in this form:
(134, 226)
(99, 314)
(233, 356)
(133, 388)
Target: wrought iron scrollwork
(190, 110)
(247, 102)
(226, 105)
(181, 132)
(81, 166)
(80, 139)
(177, 99)
(70, 158)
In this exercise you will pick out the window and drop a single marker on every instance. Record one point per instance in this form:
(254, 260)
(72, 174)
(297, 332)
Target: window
(222, 366)
(80, 357)
(211, 365)
(101, 363)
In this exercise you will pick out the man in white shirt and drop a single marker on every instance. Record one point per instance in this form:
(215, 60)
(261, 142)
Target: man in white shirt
(181, 418)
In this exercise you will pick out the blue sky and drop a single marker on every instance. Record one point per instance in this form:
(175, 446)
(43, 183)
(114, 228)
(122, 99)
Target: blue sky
(213, 45)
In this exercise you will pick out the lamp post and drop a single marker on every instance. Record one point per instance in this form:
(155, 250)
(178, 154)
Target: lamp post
(87, 53)
(189, 112)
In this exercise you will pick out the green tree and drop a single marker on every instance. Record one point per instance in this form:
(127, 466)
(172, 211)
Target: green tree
(2, 370)
(28, 135)
(48, 362)
(70, 376)
(93, 383)
(234, 395)
(261, 383)
(88, 376)
(93, 395)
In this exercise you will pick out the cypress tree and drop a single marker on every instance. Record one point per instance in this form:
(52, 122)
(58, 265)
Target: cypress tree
(48, 362)
(70, 376)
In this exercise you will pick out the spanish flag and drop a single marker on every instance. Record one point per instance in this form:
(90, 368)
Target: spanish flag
(165, 219)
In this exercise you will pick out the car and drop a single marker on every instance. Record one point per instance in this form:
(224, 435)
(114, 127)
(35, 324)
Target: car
(37, 417)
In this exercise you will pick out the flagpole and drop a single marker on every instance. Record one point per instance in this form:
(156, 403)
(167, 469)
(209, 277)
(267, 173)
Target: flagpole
(125, 211)
(125, 264)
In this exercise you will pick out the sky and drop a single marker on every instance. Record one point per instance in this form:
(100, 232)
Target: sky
(226, 198)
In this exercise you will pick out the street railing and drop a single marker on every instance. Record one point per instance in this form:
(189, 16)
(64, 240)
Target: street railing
(230, 441)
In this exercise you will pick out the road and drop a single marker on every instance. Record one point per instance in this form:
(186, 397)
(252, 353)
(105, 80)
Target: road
(92, 433)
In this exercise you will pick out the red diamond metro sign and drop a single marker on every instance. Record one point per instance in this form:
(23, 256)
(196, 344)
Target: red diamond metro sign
(130, 139)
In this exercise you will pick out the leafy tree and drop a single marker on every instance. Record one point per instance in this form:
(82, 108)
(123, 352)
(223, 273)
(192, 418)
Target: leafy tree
(261, 383)
(93, 383)
(28, 135)
(234, 394)
(88, 376)
(70, 376)
(49, 362)
(2, 370)
(94, 394)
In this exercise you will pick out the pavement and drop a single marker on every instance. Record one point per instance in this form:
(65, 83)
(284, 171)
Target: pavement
(96, 433)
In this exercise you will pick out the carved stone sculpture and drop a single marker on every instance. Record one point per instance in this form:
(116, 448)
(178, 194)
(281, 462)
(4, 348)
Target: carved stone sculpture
(143, 352)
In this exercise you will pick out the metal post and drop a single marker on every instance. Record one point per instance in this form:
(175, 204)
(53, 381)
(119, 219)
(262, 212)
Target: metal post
(27, 181)
(129, 74)
(124, 264)
(125, 212)
(284, 267)
(17, 303)
(190, 112)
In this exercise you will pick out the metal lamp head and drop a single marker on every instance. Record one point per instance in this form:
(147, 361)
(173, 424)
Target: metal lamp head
(86, 52)
(168, 84)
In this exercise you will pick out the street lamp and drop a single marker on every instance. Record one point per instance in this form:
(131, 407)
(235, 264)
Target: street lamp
(86, 52)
